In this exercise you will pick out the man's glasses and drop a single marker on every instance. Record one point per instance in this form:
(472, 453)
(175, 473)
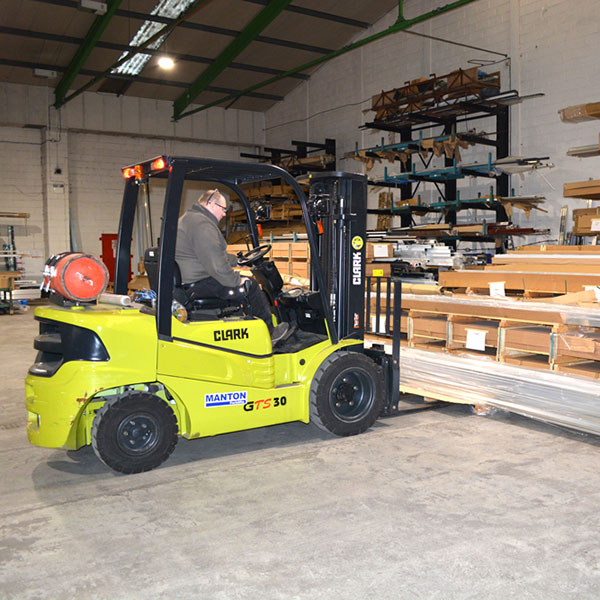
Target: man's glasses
(210, 199)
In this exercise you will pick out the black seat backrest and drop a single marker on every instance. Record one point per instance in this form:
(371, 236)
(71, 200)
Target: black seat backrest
(191, 303)
(151, 266)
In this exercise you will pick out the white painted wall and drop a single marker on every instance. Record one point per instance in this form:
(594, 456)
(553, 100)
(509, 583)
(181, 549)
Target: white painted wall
(89, 140)
(553, 47)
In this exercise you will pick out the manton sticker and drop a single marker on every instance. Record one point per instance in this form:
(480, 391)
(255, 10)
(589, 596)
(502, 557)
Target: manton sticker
(225, 399)
(263, 404)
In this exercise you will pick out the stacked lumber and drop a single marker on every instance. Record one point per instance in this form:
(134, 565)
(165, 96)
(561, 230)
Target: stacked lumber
(537, 335)
(471, 230)
(290, 258)
(424, 93)
(542, 270)
(557, 398)
(538, 359)
(580, 112)
(586, 190)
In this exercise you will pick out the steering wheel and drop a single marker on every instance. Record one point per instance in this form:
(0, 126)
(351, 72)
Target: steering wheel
(253, 256)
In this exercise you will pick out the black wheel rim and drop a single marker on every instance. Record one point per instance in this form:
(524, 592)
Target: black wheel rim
(352, 395)
(138, 434)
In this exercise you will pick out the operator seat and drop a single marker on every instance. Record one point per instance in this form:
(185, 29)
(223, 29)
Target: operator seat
(198, 308)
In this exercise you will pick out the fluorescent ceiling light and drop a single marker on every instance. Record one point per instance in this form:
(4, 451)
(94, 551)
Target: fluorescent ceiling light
(165, 8)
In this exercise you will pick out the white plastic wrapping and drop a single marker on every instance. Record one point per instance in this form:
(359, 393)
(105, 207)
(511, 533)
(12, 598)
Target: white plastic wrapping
(505, 308)
(562, 399)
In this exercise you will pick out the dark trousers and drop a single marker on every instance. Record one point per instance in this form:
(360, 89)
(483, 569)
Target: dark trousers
(258, 305)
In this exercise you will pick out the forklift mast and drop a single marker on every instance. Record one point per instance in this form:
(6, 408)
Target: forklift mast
(338, 207)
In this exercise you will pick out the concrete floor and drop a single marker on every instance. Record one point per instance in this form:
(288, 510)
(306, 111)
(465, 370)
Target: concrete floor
(436, 503)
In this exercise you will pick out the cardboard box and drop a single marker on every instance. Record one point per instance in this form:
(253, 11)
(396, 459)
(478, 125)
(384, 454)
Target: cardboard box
(586, 221)
(384, 250)
(379, 270)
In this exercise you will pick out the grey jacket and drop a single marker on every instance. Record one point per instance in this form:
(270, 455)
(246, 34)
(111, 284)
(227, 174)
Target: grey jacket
(201, 249)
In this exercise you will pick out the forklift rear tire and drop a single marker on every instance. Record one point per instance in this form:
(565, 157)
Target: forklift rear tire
(346, 395)
(135, 432)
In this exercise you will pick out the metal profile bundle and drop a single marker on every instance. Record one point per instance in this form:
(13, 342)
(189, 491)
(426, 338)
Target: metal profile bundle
(557, 398)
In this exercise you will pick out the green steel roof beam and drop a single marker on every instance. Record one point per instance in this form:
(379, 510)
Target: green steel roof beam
(240, 43)
(93, 35)
(400, 18)
(400, 25)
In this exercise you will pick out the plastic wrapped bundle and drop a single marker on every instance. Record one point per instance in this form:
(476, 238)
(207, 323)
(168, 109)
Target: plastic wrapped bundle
(557, 398)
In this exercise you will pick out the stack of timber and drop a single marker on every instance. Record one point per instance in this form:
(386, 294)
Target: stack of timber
(291, 258)
(531, 271)
(473, 231)
(538, 359)
(549, 336)
(586, 221)
(580, 112)
(276, 208)
(426, 93)
(538, 356)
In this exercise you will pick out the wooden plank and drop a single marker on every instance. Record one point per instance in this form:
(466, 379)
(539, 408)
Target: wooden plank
(529, 339)
(556, 249)
(14, 215)
(514, 310)
(582, 189)
(561, 268)
(545, 259)
(579, 344)
(520, 281)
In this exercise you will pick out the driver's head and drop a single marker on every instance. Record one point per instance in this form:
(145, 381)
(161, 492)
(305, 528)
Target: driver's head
(215, 203)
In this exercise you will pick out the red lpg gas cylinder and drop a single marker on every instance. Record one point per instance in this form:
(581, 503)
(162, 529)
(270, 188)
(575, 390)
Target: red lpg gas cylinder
(76, 276)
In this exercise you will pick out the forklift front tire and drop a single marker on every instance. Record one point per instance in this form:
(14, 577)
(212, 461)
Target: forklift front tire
(346, 395)
(134, 432)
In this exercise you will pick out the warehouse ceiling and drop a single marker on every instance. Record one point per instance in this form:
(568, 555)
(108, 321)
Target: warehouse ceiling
(220, 47)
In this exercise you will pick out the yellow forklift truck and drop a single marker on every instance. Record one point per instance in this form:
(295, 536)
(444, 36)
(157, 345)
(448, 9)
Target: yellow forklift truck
(130, 379)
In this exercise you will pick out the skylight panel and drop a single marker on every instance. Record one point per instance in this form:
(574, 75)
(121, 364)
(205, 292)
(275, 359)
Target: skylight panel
(170, 9)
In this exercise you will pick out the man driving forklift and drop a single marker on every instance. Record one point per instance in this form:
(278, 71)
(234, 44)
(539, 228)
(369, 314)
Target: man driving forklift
(206, 268)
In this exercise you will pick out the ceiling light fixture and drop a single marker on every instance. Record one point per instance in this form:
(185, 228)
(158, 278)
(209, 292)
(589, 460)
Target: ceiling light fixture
(166, 62)
(170, 9)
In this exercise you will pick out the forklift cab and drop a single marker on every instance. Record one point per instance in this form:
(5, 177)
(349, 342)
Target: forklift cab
(162, 268)
(162, 375)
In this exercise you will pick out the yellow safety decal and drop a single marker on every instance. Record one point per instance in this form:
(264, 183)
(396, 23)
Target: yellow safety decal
(357, 242)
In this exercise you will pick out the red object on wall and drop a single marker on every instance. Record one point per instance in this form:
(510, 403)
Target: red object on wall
(109, 254)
